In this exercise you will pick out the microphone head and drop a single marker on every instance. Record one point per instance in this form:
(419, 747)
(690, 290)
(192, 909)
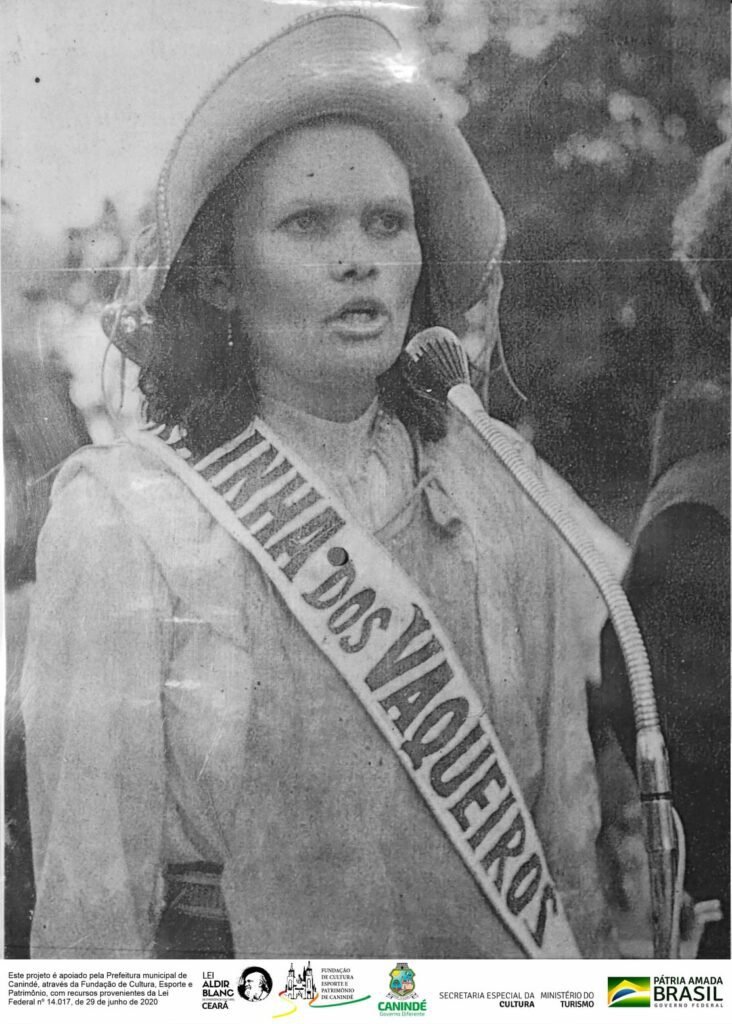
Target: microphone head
(434, 362)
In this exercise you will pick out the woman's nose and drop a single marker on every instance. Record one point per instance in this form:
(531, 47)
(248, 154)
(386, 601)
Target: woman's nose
(353, 257)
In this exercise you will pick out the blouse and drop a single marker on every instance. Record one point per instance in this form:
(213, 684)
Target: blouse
(175, 711)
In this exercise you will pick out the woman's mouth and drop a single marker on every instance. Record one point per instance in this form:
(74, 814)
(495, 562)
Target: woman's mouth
(360, 318)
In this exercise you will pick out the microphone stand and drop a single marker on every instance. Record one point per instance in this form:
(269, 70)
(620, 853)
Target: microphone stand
(446, 360)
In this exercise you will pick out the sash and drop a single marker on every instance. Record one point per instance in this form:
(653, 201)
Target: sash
(373, 624)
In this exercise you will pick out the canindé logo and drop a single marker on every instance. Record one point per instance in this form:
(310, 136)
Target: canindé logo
(401, 982)
(402, 999)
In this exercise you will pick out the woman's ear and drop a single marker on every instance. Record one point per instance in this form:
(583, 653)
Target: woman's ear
(216, 286)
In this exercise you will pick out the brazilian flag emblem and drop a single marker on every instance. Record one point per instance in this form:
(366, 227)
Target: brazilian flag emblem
(629, 992)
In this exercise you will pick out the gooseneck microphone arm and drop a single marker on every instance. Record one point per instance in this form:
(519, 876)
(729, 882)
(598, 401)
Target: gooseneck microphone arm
(437, 366)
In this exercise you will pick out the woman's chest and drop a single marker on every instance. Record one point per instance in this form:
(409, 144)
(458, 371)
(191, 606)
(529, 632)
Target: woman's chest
(262, 696)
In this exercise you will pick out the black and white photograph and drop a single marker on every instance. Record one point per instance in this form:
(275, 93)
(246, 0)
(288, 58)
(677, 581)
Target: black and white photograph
(366, 426)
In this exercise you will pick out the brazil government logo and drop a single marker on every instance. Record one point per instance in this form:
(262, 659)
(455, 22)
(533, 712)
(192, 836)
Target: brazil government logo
(401, 984)
(629, 992)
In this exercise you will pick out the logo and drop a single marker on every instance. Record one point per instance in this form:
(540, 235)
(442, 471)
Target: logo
(216, 992)
(255, 984)
(300, 986)
(337, 987)
(402, 999)
(629, 992)
(401, 984)
(696, 990)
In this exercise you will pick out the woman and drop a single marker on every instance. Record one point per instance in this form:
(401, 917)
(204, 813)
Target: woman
(270, 635)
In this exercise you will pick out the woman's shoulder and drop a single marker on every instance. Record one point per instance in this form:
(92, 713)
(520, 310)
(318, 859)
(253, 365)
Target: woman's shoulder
(475, 476)
(482, 481)
(101, 488)
(122, 499)
(461, 437)
(116, 468)
(125, 473)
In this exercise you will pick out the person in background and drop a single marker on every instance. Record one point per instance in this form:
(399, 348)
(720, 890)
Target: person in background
(678, 580)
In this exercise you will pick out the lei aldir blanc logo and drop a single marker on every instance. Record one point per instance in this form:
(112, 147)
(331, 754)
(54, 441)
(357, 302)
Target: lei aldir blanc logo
(629, 992)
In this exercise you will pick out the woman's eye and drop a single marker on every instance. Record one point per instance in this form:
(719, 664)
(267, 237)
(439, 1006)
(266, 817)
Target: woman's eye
(388, 223)
(304, 223)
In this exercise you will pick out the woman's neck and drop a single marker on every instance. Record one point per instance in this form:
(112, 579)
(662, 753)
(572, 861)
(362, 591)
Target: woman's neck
(342, 402)
(332, 446)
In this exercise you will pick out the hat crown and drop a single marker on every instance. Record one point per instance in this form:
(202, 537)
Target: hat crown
(315, 67)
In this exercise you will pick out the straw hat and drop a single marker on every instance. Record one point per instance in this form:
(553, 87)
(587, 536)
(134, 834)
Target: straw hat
(334, 63)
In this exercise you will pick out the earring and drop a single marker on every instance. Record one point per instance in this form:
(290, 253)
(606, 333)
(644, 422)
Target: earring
(229, 335)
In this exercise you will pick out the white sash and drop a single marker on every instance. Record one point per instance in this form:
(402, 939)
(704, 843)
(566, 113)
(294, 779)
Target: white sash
(371, 621)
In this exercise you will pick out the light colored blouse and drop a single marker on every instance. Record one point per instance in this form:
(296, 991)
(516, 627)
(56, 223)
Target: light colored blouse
(176, 712)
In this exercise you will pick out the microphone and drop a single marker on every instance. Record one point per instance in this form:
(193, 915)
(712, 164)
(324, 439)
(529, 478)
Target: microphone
(436, 366)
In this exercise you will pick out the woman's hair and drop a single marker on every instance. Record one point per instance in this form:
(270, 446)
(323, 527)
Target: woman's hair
(199, 373)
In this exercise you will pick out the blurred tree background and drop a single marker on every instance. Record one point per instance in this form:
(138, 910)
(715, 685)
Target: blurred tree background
(590, 149)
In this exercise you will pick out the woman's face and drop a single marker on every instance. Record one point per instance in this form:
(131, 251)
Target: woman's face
(326, 260)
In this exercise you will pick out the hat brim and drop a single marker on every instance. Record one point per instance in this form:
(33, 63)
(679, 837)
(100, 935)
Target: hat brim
(350, 65)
